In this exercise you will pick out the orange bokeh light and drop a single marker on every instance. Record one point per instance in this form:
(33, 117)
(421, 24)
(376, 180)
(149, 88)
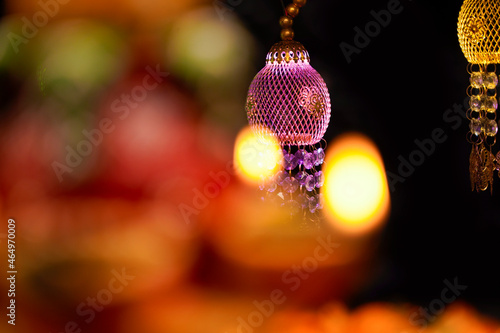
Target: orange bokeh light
(356, 191)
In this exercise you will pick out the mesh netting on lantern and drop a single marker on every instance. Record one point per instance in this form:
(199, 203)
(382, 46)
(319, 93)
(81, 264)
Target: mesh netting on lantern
(478, 31)
(289, 97)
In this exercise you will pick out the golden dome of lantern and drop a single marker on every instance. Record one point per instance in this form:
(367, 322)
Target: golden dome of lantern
(479, 31)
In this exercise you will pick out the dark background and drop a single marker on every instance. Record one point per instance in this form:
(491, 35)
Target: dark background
(396, 90)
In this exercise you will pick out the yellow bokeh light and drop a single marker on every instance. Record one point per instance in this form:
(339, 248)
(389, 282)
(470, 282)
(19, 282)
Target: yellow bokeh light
(256, 158)
(356, 191)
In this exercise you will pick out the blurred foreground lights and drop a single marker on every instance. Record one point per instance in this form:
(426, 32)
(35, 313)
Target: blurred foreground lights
(201, 45)
(356, 191)
(81, 56)
(256, 158)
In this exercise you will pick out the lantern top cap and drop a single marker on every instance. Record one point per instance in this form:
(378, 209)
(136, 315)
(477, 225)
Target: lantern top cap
(287, 51)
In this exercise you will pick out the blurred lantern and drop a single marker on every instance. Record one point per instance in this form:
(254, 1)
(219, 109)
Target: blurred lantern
(290, 99)
(479, 36)
(356, 190)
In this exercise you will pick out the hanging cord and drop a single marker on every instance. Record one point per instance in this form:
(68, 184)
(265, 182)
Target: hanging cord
(286, 21)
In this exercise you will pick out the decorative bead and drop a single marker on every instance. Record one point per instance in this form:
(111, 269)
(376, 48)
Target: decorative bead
(286, 21)
(475, 103)
(490, 127)
(290, 185)
(310, 183)
(287, 34)
(490, 103)
(319, 154)
(289, 162)
(303, 200)
(280, 176)
(299, 3)
(292, 10)
(490, 80)
(475, 126)
(313, 203)
(476, 80)
(271, 187)
(319, 179)
(301, 177)
(299, 156)
(309, 160)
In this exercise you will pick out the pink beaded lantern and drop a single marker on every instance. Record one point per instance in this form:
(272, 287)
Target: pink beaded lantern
(289, 99)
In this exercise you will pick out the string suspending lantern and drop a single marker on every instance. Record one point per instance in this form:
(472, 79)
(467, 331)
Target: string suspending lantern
(289, 99)
(479, 37)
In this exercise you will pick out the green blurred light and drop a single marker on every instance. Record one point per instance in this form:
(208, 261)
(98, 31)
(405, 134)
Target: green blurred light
(84, 53)
(201, 44)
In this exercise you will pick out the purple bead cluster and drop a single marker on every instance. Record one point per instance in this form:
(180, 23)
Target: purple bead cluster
(303, 158)
(296, 187)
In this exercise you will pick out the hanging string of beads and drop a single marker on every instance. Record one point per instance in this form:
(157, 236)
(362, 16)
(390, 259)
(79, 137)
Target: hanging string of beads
(483, 125)
(289, 99)
(479, 36)
(286, 21)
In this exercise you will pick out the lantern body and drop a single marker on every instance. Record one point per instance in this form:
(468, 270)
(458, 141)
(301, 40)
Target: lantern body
(289, 98)
(289, 101)
(479, 31)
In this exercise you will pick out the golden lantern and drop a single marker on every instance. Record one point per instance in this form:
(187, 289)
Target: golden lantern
(479, 37)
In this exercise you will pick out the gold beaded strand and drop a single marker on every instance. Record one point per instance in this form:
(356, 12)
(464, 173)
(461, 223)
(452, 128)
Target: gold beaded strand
(286, 21)
(483, 125)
